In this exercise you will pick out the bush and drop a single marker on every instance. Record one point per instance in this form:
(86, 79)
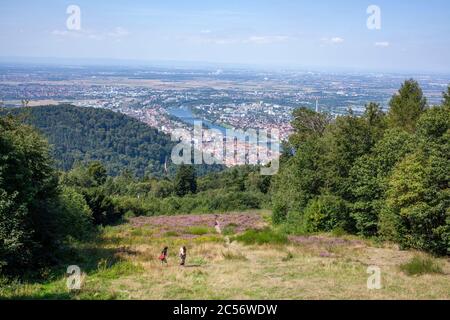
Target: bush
(103, 209)
(205, 202)
(171, 234)
(76, 216)
(130, 205)
(289, 256)
(265, 236)
(327, 213)
(229, 230)
(279, 212)
(420, 265)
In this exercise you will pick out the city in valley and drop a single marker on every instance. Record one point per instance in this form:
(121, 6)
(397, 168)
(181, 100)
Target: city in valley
(223, 99)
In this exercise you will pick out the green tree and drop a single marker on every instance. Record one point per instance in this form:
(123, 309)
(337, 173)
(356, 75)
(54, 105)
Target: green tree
(104, 212)
(417, 211)
(162, 188)
(31, 215)
(97, 172)
(76, 216)
(434, 124)
(13, 236)
(446, 95)
(369, 179)
(185, 180)
(306, 124)
(343, 143)
(300, 179)
(407, 106)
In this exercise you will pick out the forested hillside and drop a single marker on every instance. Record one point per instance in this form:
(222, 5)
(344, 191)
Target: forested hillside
(88, 134)
(384, 175)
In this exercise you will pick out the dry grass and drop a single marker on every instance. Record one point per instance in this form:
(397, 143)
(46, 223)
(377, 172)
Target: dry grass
(216, 269)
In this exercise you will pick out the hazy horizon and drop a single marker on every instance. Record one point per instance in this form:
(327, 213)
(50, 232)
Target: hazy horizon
(202, 65)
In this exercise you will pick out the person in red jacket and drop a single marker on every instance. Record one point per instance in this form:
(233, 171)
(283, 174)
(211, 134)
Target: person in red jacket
(163, 256)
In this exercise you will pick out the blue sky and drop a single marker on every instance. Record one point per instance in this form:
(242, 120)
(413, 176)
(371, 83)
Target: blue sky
(325, 34)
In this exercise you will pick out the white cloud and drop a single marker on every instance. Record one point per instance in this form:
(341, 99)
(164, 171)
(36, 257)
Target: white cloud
(266, 39)
(383, 44)
(60, 32)
(337, 40)
(211, 38)
(116, 33)
(333, 40)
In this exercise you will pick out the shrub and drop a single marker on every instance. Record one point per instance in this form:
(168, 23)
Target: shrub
(327, 213)
(229, 230)
(420, 265)
(76, 217)
(171, 234)
(265, 236)
(279, 212)
(130, 205)
(129, 214)
(289, 256)
(103, 209)
(218, 200)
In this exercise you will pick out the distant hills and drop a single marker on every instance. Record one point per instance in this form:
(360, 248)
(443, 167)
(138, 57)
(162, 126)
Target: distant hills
(88, 134)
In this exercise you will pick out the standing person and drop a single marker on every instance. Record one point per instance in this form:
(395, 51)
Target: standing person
(217, 225)
(163, 256)
(183, 254)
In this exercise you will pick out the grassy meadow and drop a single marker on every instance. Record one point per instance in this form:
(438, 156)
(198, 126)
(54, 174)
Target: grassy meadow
(238, 263)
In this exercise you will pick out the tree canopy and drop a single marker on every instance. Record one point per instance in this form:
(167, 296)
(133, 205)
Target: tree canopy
(375, 175)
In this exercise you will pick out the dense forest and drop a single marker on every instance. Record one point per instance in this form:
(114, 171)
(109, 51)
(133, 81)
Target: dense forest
(81, 135)
(382, 175)
(379, 175)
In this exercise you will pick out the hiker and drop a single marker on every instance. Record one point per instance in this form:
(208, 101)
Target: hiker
(163, 256)
(183, 253)
(217, 225)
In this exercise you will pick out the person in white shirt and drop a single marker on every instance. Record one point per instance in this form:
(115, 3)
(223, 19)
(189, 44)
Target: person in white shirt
(183, 254)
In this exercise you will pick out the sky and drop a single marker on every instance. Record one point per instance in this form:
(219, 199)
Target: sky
(414, 35)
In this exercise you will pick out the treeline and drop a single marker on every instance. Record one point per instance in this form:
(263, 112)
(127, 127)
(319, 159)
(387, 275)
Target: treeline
(238, 188)
(379, 175)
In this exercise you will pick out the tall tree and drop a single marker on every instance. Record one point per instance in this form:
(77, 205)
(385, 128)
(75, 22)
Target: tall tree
(407, 106)
(307, 123)
(185, 180)
(97, 172)
(446, 101)
(29, 229)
